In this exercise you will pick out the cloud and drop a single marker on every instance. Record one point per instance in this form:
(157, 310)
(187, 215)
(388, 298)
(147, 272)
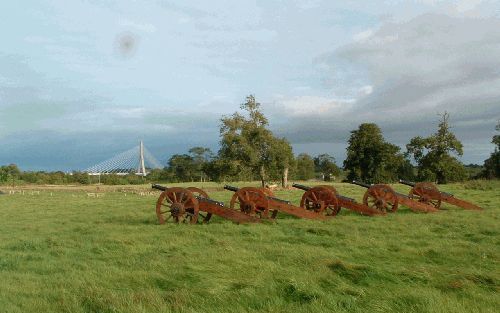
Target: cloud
(345, 64)
(143, 27)
(415, 70)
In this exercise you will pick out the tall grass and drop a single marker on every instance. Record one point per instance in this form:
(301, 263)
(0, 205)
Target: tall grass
(71, 253)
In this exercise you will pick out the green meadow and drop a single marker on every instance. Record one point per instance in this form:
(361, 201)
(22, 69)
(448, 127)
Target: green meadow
(63, 251)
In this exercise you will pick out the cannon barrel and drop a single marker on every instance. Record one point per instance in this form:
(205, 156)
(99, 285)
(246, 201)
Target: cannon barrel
(406, 182)
(346, 198)
(235, 189)
(231, 188)
(163, 188)
(305, 188)
(279, 200)
(210, 200)
(159, 187)
(360, 184)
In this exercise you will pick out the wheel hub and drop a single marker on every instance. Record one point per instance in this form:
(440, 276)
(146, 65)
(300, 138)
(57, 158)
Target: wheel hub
(177, 209)
(380, 203)
(246, 207)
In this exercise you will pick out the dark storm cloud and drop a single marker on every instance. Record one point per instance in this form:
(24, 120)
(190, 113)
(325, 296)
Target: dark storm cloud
(417, 70)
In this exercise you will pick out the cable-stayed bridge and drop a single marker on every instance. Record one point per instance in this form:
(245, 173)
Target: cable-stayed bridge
(136, 160)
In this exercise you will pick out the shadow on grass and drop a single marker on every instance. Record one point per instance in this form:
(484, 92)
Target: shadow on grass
(293, 293)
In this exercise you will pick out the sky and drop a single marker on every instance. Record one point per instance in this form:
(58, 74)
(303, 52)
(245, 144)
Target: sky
(81, 81)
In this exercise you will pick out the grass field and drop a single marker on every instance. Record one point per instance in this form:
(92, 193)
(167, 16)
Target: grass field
(62, 251)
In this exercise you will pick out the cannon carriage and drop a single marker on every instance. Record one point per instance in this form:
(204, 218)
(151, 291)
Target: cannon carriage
(324, 199)
(261, 203)
(383, 198)
(428, 193)
(192, 205)
(249, 205)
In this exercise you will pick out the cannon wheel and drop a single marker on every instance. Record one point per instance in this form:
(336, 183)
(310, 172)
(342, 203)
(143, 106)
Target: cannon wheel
(201, 193)
(178, 204)
(426, 193)
(321, 199)
(251, 201)
(381, 197)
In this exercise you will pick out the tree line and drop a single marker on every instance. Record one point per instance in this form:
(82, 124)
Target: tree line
(250, 151)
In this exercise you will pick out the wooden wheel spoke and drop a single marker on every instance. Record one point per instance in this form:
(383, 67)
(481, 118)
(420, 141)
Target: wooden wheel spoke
(314, 196)
(182, 197)
(183, 217)
(237, 201)
(246, 197)
(310, 200)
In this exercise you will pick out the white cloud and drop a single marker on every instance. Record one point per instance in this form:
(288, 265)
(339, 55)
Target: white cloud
(364, 35)
(38, 40)
(143, 27)
(467, 5)
(365, 90)
(309, 106)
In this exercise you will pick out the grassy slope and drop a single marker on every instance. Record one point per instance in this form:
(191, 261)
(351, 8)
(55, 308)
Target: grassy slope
(71, 253)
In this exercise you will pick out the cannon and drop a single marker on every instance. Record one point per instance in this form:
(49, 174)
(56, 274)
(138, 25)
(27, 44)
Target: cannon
(428, 193)
(383, 198)
(325, 200)
(262, 204)
(187, 205)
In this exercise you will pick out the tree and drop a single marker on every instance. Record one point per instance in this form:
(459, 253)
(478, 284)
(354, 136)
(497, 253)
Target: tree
(325, 164)
(433, 155)
(183, 166)
(218, 170)
(283, 158)
(370, 158)
(200, 156)
(248, 147)
(9, 172)
(492, 164)
(304, 167)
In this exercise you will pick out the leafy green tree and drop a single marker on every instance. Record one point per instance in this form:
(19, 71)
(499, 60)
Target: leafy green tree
(283, 158)
(218, 170)
(9, 173)
(161, 175)
(492, 164)
(370, 158)
(433, 155)
(80, 178)
(182, 166)
(325, 164)
(248, 147)
(304, 167)
(200, 156)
